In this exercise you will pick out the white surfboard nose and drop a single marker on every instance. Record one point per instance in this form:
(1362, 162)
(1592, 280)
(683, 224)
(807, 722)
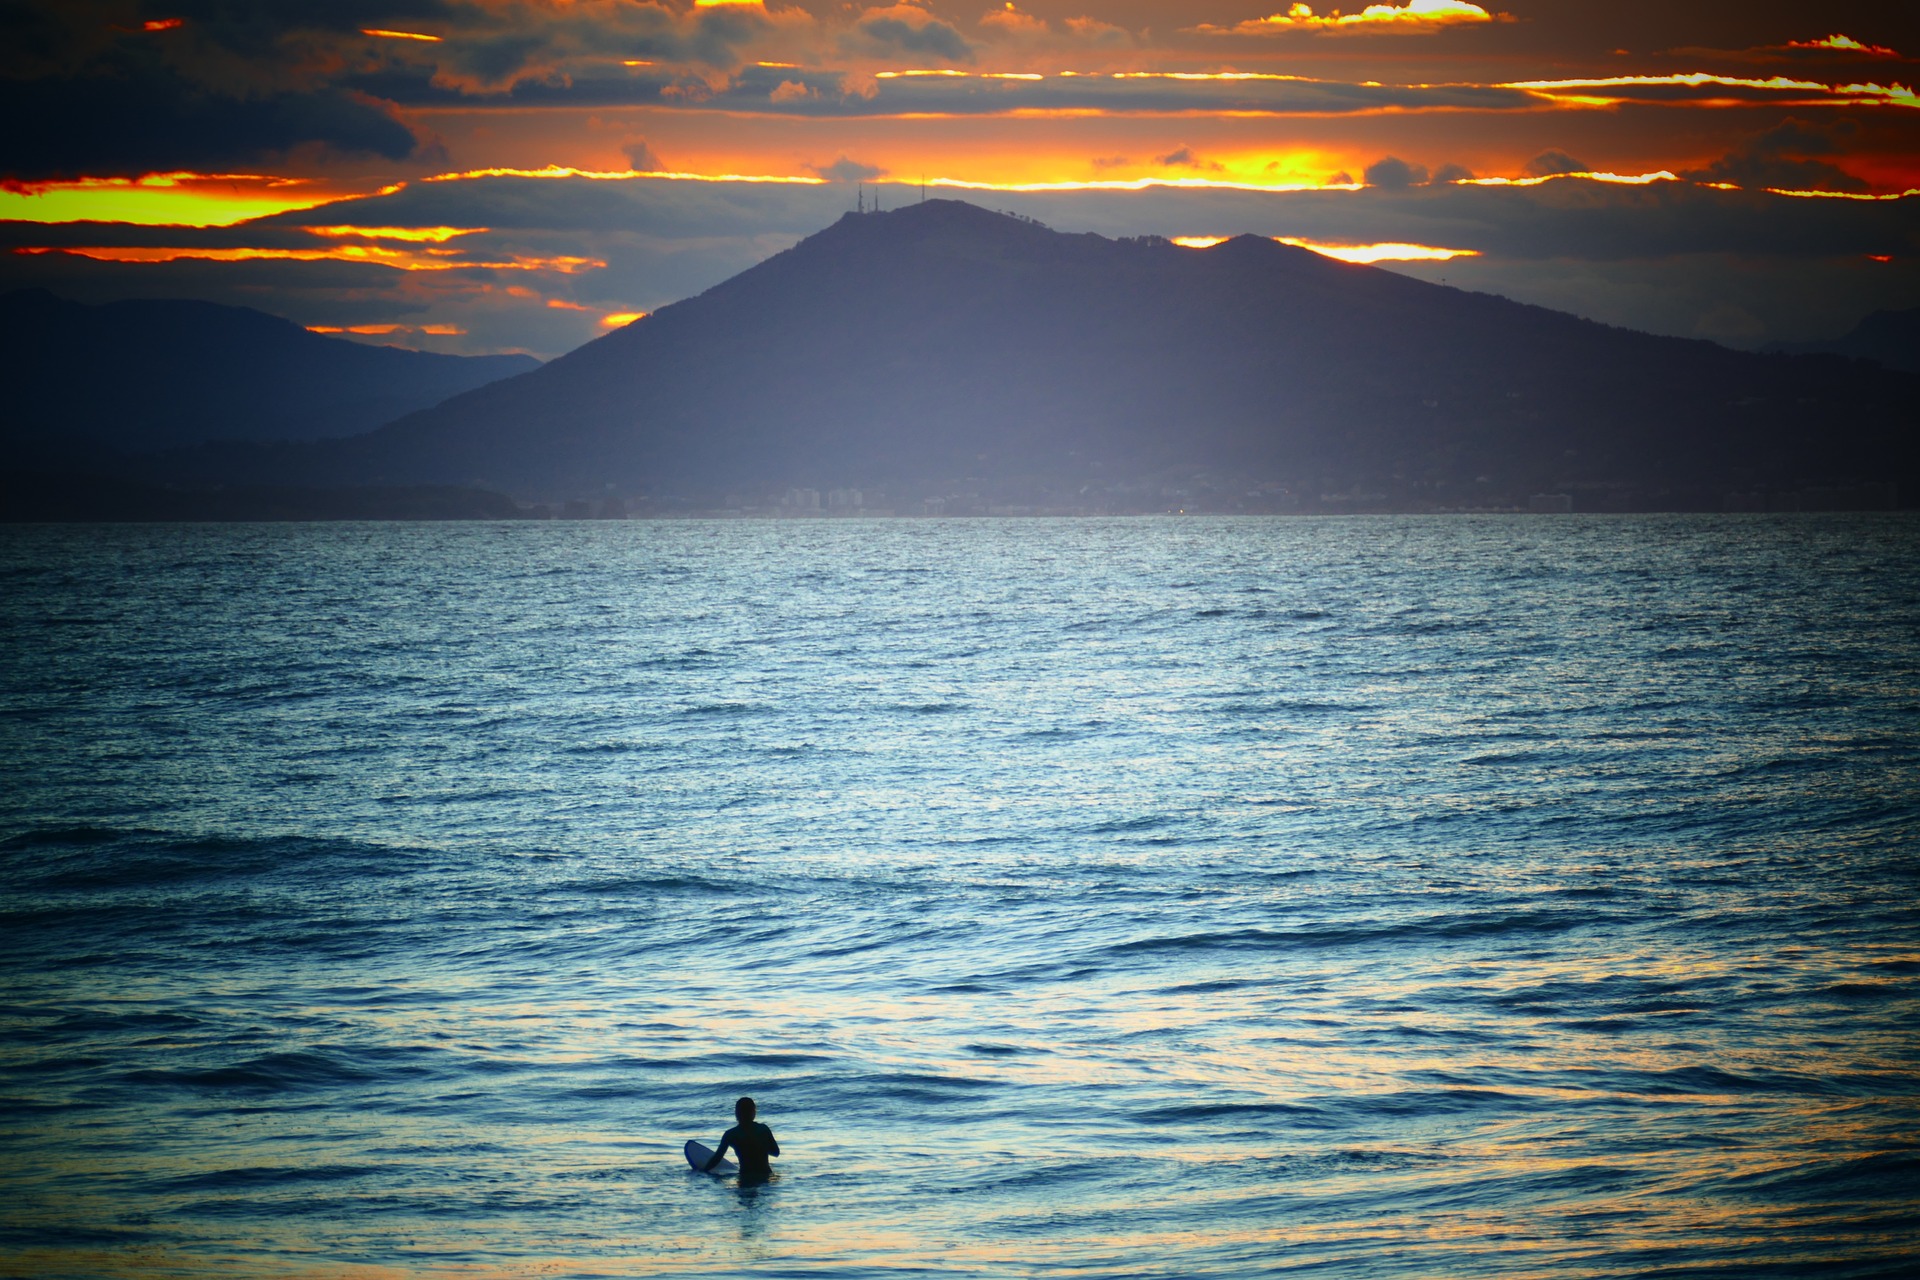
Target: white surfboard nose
(698, 1153)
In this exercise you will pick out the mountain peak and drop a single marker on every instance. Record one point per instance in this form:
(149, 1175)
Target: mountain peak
(943, 347)
(941, 218)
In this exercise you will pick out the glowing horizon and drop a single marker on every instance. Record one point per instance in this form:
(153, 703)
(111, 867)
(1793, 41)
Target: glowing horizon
(180, 199)
(1362, 254)
(371, 255)
(415, 235)
(684, 140)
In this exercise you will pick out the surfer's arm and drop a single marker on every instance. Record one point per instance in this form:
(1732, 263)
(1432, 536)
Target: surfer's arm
(719, 1152)
(773, 1144)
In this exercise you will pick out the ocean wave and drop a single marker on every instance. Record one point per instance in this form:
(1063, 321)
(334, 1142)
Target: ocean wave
(288, 1072)
(1881, 1178)
(1189, 1113)
(1466, 925)
(725, 708)
(94, 859)
(261, 1177)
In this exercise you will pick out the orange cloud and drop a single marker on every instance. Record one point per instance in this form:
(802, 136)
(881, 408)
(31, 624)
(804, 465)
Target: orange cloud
(162, 24)
(1630, 179)
(1413, 17)
(612, 175)
(1362, 253)
(384, 330)
(1147, 184)
(373, 255)
(1388, 252)
(621, 319)
(1010, 23)
(410, 235)
(398, 35)
(1838, 41)
(167, 199)
(1569, 90)
(1842, 195)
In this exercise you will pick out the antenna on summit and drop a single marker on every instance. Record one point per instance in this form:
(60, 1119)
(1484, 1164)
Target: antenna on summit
(860, 199)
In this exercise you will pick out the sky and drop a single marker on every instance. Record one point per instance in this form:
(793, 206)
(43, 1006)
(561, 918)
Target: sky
(477, 176)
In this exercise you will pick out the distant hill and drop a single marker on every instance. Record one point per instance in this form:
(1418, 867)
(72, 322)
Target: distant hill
(1891, 338)
(142, 375)
(38, 496)
(941, 348)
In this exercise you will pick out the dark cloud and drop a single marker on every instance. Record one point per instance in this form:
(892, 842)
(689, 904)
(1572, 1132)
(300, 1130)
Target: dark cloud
(250, 50)
(571, 54)
(715, 39)
(144, 119)
(641, 156)
(1551, 162)
(1451, 173)
(1392, 172)
(1184, 158)
(978, 95)
(845, 170)
(1784, 157)
(890, 31)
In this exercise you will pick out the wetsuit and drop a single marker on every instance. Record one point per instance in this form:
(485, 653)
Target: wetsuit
(753, 1142)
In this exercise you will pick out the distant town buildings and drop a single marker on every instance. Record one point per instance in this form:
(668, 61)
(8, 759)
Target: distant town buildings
(839, 502)
(1196, 492)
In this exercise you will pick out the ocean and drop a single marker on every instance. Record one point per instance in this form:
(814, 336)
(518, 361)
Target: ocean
(1374, 897)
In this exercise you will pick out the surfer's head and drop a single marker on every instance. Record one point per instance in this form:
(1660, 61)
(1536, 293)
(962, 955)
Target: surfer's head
(744, 1110)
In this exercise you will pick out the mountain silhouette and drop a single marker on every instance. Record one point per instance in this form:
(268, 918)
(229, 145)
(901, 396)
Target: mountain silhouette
(1891, 338)
(143, 375)
(942, 347)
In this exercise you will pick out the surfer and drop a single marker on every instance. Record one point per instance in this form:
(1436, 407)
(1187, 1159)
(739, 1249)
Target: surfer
(752, 1141)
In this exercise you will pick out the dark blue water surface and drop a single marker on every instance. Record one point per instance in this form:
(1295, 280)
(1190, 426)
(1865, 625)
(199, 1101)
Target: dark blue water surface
(1394, 897)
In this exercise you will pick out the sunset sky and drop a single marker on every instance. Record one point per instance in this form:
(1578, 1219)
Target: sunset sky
(518, 175)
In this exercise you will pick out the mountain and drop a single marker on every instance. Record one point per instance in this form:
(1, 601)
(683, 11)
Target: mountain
(1891, 338)
(151, 374)
(940, 348)
(42, 496)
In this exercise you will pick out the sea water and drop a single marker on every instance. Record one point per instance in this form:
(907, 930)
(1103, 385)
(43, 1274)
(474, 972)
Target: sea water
(1375, 897)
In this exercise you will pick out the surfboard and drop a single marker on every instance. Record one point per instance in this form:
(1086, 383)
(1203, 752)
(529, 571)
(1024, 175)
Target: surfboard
(698, 1154)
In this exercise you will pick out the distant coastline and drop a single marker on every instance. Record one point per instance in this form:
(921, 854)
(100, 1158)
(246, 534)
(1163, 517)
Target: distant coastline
(31, 497)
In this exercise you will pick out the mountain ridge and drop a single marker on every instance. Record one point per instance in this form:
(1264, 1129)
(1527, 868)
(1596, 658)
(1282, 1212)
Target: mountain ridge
(1890, 338)
(144, 374)
(940, 347)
